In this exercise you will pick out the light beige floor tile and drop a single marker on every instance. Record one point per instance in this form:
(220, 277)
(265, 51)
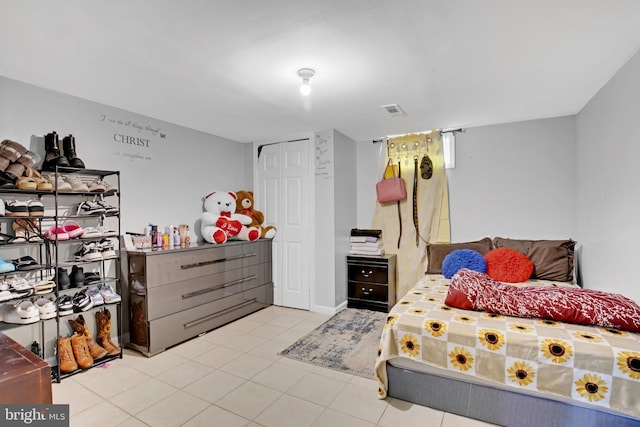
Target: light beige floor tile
(132, 422)
(143, 395)
(242, 341)
(222, 336)
(103, 414)
(291, 312)
(216, 416)
(217, 357)
(269, 350)
(290, 411)
(214, 386)
(75, 395)
(452, 420)
(246, 366)
(279, 376)
(284, 321)
(114, 379)
(191, 348)
(297, 364)
(332, 373)
(159, 363)
(249, 400)
(289, 336)
(307, 325)
(364, 382)
(316, 388)
(185, 374)
(399, 412)
(360, 402)
(242, 325)
(173, 410)
(266, 331)
(331, 418)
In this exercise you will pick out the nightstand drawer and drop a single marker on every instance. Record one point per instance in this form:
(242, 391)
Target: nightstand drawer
(368, 291)
(368, 273)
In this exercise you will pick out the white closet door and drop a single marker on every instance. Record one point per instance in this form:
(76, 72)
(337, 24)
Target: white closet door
(282, 193)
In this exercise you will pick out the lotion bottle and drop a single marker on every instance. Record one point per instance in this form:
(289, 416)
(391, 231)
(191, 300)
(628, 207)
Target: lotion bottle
(176, 238)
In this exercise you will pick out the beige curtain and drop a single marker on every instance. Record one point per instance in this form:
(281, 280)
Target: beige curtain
(432, 206)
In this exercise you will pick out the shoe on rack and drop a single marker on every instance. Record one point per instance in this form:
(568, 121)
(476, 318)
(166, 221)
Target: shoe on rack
(110, 296)
(46, 307)
(42, 183)
(95, 295)
(107, 249)
(77, 186)
(16, 208)
(90, 208)
(81, 351)
(58, 183)
(44, 286)
(61, 278)
(22, 313)
(56, 233)
(53, 157)
(26, 230)
(19, 287)
(65, 305)
(6, 267)
(92, 278)
(28, 159)
(90, 232)
(76, 277)
(35, 208)
(73, 229)
(97, 186)
(11, 150)
(80, 327)
(108, 209)
(82, 302)
(69, 147)
(138, 288)
(65, 352)
(103, 337)
(89, 251)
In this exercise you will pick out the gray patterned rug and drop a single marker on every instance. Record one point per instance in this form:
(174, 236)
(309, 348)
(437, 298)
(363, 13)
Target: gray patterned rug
(347, 342)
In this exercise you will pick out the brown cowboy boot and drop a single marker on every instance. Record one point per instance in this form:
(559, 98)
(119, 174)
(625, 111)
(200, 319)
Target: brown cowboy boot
(81, 351)
(67, 361)
(79, 327)
(103, 323)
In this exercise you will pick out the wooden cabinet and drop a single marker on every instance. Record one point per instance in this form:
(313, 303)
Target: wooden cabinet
(177, 294)
(24, 377)
(371, 282)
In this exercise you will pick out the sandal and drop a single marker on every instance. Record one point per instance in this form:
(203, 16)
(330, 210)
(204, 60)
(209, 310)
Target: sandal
(26, 263)
(73, 229)
(42, 183)
(26, 183)
(56, 233)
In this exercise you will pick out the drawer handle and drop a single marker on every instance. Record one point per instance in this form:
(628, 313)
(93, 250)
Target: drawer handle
(216, 261)
(364, 291)
(365, 274)
(215, 288)
(220, 313)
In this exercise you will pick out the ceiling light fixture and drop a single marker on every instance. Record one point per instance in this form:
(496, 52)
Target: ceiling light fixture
(305, 74)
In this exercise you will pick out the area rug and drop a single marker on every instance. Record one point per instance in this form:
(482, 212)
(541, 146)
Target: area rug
(347, 342)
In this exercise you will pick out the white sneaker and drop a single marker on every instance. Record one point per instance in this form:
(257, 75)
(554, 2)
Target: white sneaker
(47, 308)
(21, 313)
(77, 186)
(110, 296)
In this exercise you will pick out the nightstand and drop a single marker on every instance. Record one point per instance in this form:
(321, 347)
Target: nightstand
(371, 282)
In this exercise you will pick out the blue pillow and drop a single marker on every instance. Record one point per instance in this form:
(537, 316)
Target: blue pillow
(463, 258)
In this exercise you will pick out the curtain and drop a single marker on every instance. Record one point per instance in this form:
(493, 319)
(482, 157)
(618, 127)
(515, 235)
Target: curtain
(431, 208)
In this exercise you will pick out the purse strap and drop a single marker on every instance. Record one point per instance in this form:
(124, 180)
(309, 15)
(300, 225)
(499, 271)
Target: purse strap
(399, 212)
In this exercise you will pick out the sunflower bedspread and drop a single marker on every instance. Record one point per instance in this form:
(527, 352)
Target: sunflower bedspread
(586, 364)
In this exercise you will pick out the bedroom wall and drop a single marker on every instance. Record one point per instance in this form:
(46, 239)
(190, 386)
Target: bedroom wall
(608, 205)
(512, 180)
(163, 180)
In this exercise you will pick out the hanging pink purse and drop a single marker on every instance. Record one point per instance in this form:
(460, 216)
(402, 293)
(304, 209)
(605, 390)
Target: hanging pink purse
(390, 189)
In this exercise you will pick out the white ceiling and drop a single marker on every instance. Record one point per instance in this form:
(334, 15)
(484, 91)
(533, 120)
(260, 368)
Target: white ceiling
(229, 67)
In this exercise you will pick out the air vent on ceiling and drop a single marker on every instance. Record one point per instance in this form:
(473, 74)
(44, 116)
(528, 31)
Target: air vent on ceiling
(394, 110)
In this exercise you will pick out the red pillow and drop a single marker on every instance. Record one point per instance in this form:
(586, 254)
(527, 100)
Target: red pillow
(508, 265)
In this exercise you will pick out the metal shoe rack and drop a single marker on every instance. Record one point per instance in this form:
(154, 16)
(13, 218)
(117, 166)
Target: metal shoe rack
(52, 253)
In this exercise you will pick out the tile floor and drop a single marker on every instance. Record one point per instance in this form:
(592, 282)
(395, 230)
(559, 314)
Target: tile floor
(232, 376)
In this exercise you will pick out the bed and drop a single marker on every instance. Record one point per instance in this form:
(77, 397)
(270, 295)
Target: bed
(508, 370)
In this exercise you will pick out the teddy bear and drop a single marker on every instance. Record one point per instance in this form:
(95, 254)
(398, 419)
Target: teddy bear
(245, 207)
(220, 222)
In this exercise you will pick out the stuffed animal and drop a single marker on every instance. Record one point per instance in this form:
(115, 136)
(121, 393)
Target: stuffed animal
(245, 207)
(220, 222)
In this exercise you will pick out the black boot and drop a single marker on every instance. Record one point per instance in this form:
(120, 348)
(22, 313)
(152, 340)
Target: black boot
(69, 146)
(77, 277)
(53, 157)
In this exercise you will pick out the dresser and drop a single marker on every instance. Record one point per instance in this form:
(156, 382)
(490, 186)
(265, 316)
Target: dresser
(371, 282)
(24, 377)
(177, 294)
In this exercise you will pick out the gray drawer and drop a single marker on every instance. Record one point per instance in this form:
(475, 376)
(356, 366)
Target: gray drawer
(181, 266)
(174, 297)
(178, 327)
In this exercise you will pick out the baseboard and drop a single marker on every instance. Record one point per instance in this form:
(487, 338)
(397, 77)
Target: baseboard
(322, 309)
